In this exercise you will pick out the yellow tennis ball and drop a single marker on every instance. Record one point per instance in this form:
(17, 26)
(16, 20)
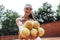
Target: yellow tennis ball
(34, 32)
(24, 33)
(28, 24)
(36, 24)
(41, 31)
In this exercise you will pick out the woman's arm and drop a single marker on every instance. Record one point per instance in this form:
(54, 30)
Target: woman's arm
(18, 22)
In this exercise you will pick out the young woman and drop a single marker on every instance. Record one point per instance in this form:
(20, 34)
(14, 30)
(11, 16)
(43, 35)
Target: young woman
(27, 16)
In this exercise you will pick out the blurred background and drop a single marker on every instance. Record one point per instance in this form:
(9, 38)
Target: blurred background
(47, 13)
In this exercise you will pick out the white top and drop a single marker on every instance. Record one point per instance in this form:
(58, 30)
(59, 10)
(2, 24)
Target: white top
(21, 26)
(38, 38)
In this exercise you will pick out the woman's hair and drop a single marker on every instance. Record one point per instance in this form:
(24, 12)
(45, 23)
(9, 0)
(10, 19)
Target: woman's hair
(32, 16)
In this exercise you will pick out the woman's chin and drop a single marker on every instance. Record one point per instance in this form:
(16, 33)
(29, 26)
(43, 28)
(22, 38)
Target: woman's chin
(27, 14)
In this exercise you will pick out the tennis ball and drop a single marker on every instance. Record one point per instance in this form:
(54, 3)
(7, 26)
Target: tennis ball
(24, 33)
(41, 31)
(28, 24)
(34, 32)
(36, 24)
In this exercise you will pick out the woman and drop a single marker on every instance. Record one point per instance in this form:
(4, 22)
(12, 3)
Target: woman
(27, 16)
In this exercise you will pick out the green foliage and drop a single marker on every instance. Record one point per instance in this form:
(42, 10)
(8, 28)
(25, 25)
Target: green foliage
(58, 12)
(1, 16)
(1, 12)
(9, 26)
(45, 13)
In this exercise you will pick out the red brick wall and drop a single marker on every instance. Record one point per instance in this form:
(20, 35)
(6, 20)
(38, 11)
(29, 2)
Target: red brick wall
(11, 37)
(51, 29)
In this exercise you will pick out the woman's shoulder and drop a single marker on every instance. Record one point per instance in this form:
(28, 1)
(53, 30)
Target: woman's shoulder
(20, 18)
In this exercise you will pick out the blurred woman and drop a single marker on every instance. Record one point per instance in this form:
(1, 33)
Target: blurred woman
(27, 16)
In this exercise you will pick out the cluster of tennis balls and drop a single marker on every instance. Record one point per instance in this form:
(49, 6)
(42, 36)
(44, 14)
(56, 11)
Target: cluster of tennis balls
(31, 28)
